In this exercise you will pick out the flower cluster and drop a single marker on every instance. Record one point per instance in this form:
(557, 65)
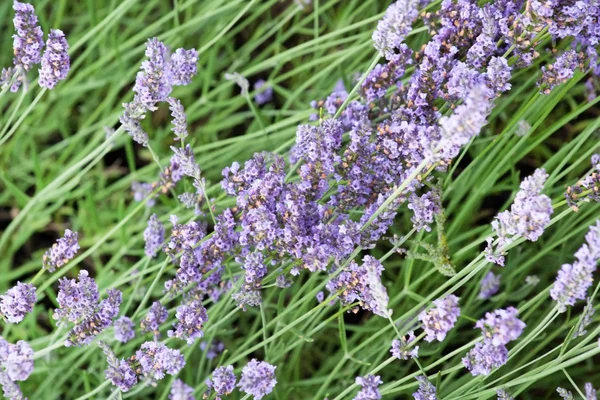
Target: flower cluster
(156, 360)
(154, 236)
(124, 329)
(181, 391)
(16, 364)
(264, 92)
(191, 317)
(573, 280)
(498, 328)
(438, 321)
(17, 302)
(403, 349)
(55, 61)
(101, 318)
(120, 373)
(62, 251)
(369, 385)
(156, 315)
(258, 379)
(222, 381)
(528, 217)
(489, 285)
(426, 390)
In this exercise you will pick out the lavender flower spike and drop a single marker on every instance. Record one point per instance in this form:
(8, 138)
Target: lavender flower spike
(181, 391)
(190, 319)
(153, 82)
(262, 96)
(154, 236)
(573, 280)
(489, 285)
(16, 359)
(501, 326)
(29, 40)
(369, 389)
(258, 379)
(154, 318)
(124, 329)
(61, 252)
(394, 26)
(426, 390)
(441, 318)
(223, 380)
(179, 118)
(183, 66)
(17, 302)
(156, 360)
(55, 61)
(400, 347)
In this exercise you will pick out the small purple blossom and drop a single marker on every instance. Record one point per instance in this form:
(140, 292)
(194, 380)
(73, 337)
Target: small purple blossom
(61, 252)
(154, 236)
(181, 391)
(394, 26)
(590, 392)
(156, 360)
(484, 357)
(426, 390)
(179, 118)
(124, 329)
(402, 348)
(369, 387)
(573, 280)
(489, 285)
(262, 96)
(190, 319)
(55, 61)
(76, 299)
(16, 359)
(441, 318)
(223, 380)
(157, 314)
(501, 326)
(258, 379)
(142, 190)
(28, 42)
(119, 372)
(424, 207)
(184, 66)
(17, 302)
(153, 83)
(498, 74)
(11, 390)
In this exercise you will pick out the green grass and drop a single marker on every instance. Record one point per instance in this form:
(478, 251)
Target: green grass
(57, 171)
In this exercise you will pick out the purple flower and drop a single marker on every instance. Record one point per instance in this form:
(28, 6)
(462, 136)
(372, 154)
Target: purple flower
(402, 348)
(124, 329)
(76, 298)
(104, 314)
(498, 74)
(157, 314)
(362, 283)
(29, 40)
(369, 386)
(529, 215)
(181, 391)
(154, 236)
(573, 280)
(141, 191)
(320, 296)
(254, 268)
(183, 66)
(424, 207)
(153, 83)
(223, 380)
(489, 285)
(61, 252)
(503, 395)
(441, 318)
(11, 390)
(560, 71)
(262, 96)
(394, 26)
(565, 394)
(16, 359)
(484, 357)
(190, 319)
(179, 118)
(258, 379)
(590, 392)
(156, 360)
(426, 390)
(130, 119)
(17, 302)
(501, 326)
(55, 61)
(119, 372)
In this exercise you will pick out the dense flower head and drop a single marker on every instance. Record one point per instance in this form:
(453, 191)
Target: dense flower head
(484, 357)
(76, 299)
(426, 390)
(254, 268)
(16, 360)
(29, 40)
(441, 318)
(498, 74)
(362, 283)
(153, 83)
(257, 379)
(590, 392)
(124, 329)
(10, 388)
(402, 348)
(501, 326)
(369, 387)
(179, 118)
(424, 208)
(573, 280)
(183, 66)
(62, 251)
(223, 380)
(156, 360)
(394, 26)
(154, 236)
(489, 285)
(55, 61)
(17, 302)
(529, 215)
(264, 92)
(191, 317)
(560, 71)
(157, 314)
(181, 391)
(102, 317)
(119, 372)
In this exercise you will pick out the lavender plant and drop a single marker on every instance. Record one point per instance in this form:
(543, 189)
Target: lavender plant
(301, 200)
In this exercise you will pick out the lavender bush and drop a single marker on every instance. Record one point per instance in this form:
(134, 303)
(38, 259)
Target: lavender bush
(342, 199)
